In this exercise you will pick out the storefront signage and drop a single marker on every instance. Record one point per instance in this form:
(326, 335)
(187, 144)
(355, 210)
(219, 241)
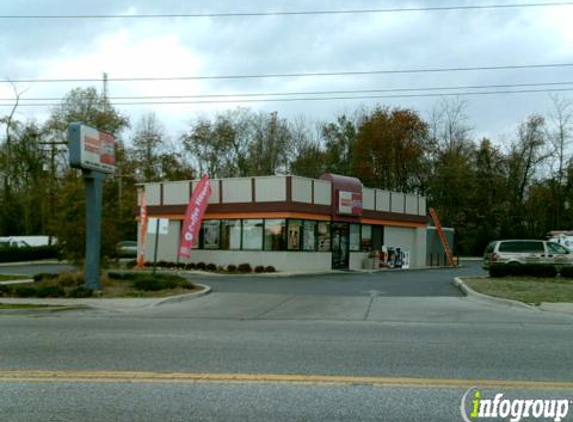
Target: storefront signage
(349, 203)
(91, 149)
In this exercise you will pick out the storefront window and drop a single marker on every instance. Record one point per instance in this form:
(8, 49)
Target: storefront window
(231, 234)
(275, 235)
(253, 234)
(366, 241)
(355, 237)
(323, 236)
(211, 234)
(309, 238)
(294, 235)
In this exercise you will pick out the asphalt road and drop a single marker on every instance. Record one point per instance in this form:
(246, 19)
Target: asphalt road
(394, 327)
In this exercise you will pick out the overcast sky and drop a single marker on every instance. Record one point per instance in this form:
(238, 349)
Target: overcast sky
(35, 49)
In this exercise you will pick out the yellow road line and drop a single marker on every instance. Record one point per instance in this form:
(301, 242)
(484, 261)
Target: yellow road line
(26, 376)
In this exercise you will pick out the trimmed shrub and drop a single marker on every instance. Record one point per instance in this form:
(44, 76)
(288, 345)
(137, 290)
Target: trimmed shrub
(566, 272)
(49, 291)
(522, 270)
(259, 269)
(131, 264)
(200, 266)
(32, 253)
(150, 282)
(270, 269)
(45, 276)
(211, 267)
(147, 284)
(80, 292)
(245, 268)
(70, 280)
(116, 275)
(231, 268)
(190, 266)
(24, 291)
(5, 290)
(181, 265)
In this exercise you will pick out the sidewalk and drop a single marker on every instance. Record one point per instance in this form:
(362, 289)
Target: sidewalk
(561, 307)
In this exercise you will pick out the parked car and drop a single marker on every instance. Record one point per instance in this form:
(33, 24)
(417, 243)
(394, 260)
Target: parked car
(127, 249)
(526, 252)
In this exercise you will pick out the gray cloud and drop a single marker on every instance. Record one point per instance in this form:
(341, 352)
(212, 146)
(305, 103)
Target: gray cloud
(304, 44)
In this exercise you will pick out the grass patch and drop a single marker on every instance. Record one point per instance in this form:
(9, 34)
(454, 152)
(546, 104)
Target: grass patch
(9, 277)
(525, 289)
(116, 285)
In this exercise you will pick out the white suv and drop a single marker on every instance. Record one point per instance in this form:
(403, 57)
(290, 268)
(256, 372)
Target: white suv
(526, 252)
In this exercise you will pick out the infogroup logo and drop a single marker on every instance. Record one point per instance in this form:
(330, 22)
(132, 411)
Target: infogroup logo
(476, 407)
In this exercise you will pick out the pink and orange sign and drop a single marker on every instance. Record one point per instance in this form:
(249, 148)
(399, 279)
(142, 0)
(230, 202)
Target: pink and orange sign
(194, 216)
(91, 149)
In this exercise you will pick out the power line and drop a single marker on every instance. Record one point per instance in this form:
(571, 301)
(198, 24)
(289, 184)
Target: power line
(329, 92)
(297, 75)
(291, 13)
(268, 100)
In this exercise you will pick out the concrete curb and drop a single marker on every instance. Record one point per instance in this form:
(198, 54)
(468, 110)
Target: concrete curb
(182, 298)
(48, 310)
(112, 303)
(469, 292)
(17, 281)
(28, 263)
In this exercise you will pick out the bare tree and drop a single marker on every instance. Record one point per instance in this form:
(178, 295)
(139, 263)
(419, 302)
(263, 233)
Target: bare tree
(561, 133)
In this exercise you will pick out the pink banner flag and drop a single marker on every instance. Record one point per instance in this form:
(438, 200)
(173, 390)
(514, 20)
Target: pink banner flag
(142, 231)
(194, 215)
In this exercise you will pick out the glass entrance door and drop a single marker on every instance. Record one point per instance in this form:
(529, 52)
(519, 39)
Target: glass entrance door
(340, 242)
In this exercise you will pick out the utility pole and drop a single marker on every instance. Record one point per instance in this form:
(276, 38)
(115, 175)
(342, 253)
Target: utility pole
(52, 179)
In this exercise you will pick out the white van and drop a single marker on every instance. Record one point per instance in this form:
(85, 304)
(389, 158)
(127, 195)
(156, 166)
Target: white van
(526, 252)
(25, 241)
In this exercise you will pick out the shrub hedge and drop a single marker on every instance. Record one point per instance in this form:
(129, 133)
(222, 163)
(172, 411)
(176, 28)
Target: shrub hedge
(245, 268)
(523, 270)
(32, 253)
(566, 272)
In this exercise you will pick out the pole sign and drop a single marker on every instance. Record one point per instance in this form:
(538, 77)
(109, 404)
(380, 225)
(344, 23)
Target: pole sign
(194, 215)
(91, 149)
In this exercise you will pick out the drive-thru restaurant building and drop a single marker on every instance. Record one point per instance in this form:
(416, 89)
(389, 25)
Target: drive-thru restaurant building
(291, 223)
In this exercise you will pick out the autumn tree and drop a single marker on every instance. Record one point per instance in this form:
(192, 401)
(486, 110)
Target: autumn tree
(391, 149)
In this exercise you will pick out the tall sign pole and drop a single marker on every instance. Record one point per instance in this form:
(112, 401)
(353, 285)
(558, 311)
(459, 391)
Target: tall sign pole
(94, 187)
(93, 152)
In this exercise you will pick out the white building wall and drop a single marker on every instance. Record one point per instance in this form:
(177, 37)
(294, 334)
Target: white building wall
(422, 206)
(408, 239)
(237, 190)
(397, 202)
(176, 193)
(322, 192)
(301, 189)
(411, 204)
(382, 200)
(270, 189)
(168, 243)
(153, 194)
(368, 198)
(284, 261)
(356, 260)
